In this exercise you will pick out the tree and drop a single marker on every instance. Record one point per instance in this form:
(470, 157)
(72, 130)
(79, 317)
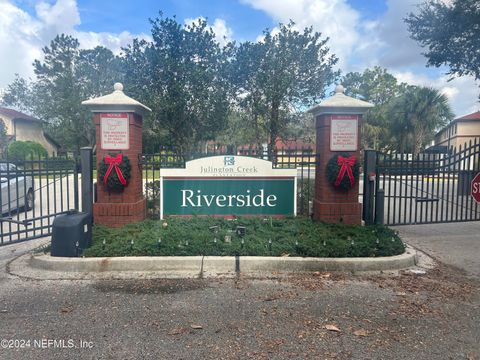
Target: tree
(180, 75)
(66, 76)
(404, 118)
(450, 32)
(284, 73)
(416, 114)
(378, 87)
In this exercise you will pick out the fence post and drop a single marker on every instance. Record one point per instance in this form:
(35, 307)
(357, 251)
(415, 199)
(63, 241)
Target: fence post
(379, 206)
(369, 171)
(87, 186)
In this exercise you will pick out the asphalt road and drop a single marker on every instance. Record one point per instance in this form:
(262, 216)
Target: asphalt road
(433, 316)
(456, 244)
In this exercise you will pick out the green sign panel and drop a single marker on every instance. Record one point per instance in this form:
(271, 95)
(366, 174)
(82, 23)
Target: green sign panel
(228, 196)
(228, 185)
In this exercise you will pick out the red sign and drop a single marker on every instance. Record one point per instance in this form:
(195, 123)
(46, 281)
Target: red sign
(476, 188)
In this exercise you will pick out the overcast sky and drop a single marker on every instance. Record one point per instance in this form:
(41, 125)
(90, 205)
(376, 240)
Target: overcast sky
(362, 33)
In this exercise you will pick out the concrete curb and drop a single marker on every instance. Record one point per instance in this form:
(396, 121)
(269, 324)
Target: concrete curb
(214, 265)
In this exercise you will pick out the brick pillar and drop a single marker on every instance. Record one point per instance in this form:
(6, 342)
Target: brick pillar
(331, 204)
(111, 208)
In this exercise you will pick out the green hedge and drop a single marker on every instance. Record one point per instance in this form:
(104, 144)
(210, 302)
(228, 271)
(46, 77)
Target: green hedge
(264, 237)
(26, 150)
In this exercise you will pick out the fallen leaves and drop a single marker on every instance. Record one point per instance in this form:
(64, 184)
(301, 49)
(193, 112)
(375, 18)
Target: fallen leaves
(178, 331)
(360, 332)
(271, 298)
(331, 327)
(184, 330)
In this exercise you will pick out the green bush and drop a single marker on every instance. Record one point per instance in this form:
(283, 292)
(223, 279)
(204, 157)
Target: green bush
(292, 236)
(29, 150)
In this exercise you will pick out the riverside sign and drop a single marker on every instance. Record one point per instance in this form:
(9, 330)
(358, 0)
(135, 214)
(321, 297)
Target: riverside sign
(228, 185)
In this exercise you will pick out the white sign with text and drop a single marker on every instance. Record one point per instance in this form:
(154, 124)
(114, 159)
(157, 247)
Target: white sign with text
(114, 131)
(344, 133)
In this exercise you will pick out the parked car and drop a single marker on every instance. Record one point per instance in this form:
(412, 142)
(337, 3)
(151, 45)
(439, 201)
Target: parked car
(17, 189)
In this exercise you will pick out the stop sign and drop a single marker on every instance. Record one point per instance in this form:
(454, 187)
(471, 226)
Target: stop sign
(476, 188)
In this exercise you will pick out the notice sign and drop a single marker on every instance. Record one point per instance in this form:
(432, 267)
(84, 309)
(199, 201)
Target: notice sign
(344, 133)
(114, 131)
(228, 185)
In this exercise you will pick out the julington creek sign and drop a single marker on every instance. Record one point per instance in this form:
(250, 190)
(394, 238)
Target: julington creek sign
(228, 185)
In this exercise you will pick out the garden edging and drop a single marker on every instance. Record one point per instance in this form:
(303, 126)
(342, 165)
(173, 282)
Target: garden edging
(211, 265)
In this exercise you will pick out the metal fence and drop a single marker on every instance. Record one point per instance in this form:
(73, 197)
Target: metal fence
(302, 159)
(33, 192)
(429, 188)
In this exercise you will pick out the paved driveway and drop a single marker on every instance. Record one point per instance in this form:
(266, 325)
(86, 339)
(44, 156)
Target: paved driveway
(456, 244)
(434, 316)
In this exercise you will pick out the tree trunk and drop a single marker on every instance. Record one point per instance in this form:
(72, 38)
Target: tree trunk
(274, 118)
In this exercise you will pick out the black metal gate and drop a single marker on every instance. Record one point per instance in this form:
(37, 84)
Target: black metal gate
(429, 187)
(33, 192)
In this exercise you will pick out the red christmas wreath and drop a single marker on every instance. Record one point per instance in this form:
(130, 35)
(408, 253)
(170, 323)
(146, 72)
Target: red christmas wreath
(343, 171)
(115, 172)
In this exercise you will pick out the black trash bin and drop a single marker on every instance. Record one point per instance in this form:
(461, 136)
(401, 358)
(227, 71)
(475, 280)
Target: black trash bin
(71, 233)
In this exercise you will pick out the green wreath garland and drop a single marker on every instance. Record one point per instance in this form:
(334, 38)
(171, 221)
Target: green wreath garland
(334, 171)
(113, 182)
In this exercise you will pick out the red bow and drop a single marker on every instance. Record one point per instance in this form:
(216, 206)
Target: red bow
(114, 162)
(346, 166)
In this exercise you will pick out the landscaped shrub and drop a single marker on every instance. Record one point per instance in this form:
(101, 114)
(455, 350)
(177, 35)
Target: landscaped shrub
(263, 237)
(26, 150)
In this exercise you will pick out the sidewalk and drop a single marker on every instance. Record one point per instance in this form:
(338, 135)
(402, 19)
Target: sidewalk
(456, 244)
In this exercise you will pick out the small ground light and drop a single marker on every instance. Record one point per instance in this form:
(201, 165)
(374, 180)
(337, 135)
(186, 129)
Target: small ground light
(324, 243)
(270, 244)
(214, 229)
(214, 240)
(186, 243)
(131, 243)
(242, 242)
(378, 241)
(241, 231)
(393, 239)
(296, 242)
(353, 242)
(159, 242)
(104, 242)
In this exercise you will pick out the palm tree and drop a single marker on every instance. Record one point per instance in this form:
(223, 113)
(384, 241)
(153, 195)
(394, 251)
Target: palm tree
(416, 115)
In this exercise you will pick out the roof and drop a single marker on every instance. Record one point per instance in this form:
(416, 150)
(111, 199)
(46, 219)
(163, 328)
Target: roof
(52, 140)
(14, 114)
(341, 104)
(117, 100)
(472, 116)
(282, 144)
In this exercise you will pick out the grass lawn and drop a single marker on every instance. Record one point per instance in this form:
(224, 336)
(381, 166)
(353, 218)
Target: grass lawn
(263, 237)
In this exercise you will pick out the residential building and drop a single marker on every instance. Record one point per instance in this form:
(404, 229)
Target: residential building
(23, 127)
(459, 132)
